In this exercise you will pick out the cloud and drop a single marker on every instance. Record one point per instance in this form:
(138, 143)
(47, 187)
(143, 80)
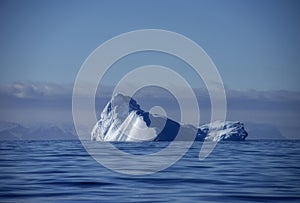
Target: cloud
(38, 92)
(37, 101)
(29, 102)
(263, 100)
(34, 90)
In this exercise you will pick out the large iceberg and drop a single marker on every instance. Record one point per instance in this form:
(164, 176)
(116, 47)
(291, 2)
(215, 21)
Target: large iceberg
(123, 120)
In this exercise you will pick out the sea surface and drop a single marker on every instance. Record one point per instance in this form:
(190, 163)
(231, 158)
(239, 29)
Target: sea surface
(63, 171)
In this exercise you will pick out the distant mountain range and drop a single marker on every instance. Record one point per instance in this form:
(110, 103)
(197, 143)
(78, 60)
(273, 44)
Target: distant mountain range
(16, 131)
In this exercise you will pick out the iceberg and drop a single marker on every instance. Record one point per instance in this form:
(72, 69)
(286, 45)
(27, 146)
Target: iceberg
(224, 131)
(123, 120)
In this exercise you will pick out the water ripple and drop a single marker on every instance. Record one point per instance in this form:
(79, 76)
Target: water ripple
(250, 171)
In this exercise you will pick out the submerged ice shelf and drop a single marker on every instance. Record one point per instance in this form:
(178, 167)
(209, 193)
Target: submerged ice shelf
(122, 119)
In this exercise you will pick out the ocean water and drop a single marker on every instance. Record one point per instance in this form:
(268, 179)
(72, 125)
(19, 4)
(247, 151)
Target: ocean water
(62, 171)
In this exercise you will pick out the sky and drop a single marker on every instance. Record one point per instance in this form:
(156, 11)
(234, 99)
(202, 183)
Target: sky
(255, 46)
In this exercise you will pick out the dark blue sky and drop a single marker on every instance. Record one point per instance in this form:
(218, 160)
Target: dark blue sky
(254, 44)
